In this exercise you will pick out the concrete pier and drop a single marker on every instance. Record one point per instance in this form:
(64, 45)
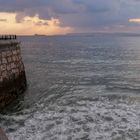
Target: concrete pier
(9, 43)
(12, 72)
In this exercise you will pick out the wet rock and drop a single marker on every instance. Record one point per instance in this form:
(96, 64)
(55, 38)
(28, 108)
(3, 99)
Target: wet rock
(3, 135)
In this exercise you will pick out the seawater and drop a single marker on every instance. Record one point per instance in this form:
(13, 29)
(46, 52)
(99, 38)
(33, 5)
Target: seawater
(80, 87)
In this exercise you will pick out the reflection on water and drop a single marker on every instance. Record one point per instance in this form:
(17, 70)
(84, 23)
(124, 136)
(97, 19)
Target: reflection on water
(79, 88)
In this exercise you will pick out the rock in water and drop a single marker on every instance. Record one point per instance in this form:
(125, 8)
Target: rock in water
(3, 135)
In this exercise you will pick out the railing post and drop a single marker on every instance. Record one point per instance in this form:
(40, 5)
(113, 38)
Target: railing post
(8, 37)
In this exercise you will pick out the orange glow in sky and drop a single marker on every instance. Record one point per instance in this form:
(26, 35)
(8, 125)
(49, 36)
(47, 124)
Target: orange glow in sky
(135, 20)
(30, 25)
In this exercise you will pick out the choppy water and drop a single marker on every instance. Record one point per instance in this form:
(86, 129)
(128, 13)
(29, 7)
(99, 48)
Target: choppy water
(84, 87)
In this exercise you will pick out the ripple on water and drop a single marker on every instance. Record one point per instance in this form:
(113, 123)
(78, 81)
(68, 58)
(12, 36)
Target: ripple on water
(70, 79)
(100, 117)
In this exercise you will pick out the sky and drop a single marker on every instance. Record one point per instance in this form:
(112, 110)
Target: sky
(50, 17)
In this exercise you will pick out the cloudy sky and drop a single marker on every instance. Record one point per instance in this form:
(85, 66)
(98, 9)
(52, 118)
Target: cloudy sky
(68, 16)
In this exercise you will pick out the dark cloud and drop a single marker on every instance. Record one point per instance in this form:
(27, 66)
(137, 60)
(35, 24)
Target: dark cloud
(40, 23)
(76, 13)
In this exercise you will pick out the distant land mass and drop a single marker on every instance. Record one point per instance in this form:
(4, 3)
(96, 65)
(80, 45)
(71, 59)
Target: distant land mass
(104, 33)
(39, 35)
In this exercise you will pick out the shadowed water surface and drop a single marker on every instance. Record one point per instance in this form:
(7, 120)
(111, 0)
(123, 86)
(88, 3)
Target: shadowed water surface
(83, 87)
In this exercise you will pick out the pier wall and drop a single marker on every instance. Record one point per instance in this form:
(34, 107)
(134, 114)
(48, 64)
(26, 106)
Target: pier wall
(12, 72)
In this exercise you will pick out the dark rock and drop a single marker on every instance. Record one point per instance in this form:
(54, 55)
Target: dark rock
(3, 135)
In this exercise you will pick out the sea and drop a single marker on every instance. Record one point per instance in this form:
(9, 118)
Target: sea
(80, 87)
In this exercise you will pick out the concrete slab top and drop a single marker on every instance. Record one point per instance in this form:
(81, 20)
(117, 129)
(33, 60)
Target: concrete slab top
(9, 43)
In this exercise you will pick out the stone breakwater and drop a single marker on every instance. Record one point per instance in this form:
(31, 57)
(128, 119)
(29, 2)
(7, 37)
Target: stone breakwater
(12, 72)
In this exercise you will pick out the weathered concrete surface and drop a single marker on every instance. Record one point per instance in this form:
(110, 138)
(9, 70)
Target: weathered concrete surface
(12, 72)
(6, 43)
(3, 135)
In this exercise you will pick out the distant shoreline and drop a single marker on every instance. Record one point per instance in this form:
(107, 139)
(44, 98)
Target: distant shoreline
(86, 34)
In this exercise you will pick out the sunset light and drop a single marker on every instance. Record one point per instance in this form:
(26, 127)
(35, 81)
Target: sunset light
(69, 69)
(31, 25)
(135, 20)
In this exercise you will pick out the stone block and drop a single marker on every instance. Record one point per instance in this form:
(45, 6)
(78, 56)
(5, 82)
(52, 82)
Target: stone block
(12, 65)
(21, 67)
(18, 51)
(4, 74)
(14, 52)
(9, 53)
(4, 54)
(8, 67)
(9, 59)
(14, 58)
(3, 67)
(14, 71)
(4, 60)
